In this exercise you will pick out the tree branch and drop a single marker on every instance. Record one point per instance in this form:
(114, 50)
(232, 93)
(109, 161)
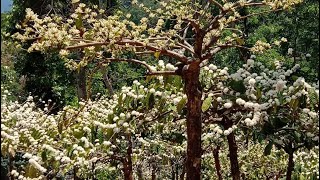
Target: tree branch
(194, 24)
(169, 53)
(147, 66)
(221, 47)
(254, 14)
(217, 4)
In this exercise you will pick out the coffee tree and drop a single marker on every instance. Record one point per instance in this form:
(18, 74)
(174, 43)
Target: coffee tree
(199, 32)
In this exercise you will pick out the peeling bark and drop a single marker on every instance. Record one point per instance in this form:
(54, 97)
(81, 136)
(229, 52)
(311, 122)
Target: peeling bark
(194, 103)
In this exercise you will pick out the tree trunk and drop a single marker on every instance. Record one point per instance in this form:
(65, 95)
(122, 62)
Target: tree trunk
(290, 167)
(82, 84)
(177, 172)
(127, 165)
(194, 103)
(217, 162)
(183, 170)
(107, 83)
(233, 155)
(153, 172)
(172, 171)
(139, 172)
(10, 167)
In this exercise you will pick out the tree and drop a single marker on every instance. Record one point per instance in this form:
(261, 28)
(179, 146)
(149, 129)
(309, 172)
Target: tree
(196, 37)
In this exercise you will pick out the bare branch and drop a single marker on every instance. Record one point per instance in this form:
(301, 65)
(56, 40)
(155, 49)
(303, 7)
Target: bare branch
(185, 42)
(169, 53)
(144, 52)
(163, 73)
(150, 70)
(234, 29)
(194, 24)
(221, 47)
(186, 47)
(255, 14)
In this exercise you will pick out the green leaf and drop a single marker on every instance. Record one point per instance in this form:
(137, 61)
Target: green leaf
(120, 100)
(60, 126)
(206, 104)
(279, 122)
(78, 134)
(305, 69)
(79, 23)
(150, 101)
(181, 104)
(99, 136)
(238, 86)
(240, 41)
(165, 160)
(259, 94)
(32, 172)
(157, 54)
(161, 105)
(44, 155)
(294, 77)
(268, 148)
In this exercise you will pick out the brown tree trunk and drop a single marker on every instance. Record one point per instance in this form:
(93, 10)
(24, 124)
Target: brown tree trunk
(233, 155)
(82, 84)
(127, 165)
(290, 167)
(217, 162)
(194, 103)
(139, 172)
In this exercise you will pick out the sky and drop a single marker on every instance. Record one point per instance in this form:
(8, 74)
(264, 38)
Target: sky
(6, 5)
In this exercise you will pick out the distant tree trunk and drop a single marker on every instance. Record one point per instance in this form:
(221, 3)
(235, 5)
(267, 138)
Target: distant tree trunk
(177, 171)
(183, 170)
(233, 155)
(127, 164)
(217, 162)
(193, 91)
(139, 172)
(233, 151)
(107, 83)
(10, 167)
(172, 170)
(93, 171)
(82, 84)
(290, 166)
(153, 172)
